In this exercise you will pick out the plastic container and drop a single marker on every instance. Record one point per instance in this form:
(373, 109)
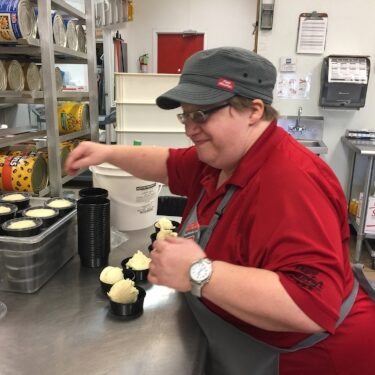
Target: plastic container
(94, 232)
(133, 201)
(27, 263)
(93, 192)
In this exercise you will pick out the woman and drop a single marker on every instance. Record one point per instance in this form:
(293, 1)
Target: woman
(268, 271)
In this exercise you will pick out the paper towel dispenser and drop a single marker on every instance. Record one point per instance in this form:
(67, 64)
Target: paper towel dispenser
(344, 81)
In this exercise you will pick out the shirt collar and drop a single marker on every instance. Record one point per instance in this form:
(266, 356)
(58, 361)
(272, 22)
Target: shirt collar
(250, 163)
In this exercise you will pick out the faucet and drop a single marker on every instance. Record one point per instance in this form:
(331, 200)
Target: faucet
(297, 127)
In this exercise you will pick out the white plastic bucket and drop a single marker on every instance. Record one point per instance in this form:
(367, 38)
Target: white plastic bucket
(134, 201)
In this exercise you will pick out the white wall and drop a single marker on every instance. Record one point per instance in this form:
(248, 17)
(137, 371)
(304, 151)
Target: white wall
(223, 22)
(351, 30)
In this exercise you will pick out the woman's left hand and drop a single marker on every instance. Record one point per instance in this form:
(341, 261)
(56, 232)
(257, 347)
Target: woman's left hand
(171, 260)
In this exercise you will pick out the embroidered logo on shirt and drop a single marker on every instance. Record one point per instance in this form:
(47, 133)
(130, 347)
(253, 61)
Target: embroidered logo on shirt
(306, 277)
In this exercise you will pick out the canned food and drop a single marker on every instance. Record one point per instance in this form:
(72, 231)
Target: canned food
(24, 173)
(81, 34)
(17, 20)
(31, 73)
(58, 28)
(58, 78)
(71, 145)
(64, 153)
(3, 76)
(72, 117)
(16, 78)
(71, 34)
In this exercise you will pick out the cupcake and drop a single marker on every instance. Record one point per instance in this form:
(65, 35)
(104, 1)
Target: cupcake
(22, 227)
(139, 264)
(126, 299)
(47, 214)
(109, 276)
(64, 205)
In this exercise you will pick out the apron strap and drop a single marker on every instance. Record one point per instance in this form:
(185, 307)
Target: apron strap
(219, 211)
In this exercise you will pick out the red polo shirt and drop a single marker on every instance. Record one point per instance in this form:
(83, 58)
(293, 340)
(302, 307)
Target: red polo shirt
(288, 215)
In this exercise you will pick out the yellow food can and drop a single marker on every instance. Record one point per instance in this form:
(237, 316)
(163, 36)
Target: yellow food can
(24, 173)
(72, 117)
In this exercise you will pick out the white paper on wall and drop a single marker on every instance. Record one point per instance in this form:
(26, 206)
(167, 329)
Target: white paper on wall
(312, 31)
(293, 86)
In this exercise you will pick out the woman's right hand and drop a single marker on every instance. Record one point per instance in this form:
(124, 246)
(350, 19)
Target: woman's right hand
(84, 155)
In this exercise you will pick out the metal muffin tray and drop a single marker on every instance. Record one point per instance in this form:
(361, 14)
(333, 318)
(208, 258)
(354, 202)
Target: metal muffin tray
(27, 263)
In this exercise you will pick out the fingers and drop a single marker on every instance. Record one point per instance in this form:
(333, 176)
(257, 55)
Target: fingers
(78, 158)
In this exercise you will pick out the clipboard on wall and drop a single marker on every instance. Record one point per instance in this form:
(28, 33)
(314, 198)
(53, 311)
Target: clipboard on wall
(312, 32)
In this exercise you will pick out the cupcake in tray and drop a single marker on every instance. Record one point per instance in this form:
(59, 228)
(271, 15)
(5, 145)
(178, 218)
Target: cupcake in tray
(21, 200)
(7, 211)
(22, 227)
(48, 215)
(64, 205)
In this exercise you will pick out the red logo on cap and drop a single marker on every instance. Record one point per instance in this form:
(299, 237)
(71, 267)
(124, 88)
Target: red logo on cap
(225, 84)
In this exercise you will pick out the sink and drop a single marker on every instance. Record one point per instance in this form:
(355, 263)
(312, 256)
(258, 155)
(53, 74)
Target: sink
(308, 131)
(317, 146)
(309, 143)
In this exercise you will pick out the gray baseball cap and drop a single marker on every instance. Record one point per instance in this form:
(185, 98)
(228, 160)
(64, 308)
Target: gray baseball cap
(215, 75)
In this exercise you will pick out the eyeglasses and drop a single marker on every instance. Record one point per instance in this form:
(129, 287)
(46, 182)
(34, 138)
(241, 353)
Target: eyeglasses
(199, 116)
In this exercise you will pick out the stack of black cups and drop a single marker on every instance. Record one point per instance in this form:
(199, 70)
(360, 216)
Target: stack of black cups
(94, 230)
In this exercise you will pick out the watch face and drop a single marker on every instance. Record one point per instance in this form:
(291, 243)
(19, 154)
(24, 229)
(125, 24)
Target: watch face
(200, 271)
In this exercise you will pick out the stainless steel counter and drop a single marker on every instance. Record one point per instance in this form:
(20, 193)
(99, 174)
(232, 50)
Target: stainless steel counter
(360, 146)
(362, 151)
(66, 327)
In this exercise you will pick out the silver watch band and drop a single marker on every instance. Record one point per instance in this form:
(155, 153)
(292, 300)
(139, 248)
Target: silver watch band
(196, 289)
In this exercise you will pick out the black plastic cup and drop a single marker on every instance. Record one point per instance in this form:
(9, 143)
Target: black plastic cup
(94, 234)
(93, 192)
(140, 275)
(129, 310)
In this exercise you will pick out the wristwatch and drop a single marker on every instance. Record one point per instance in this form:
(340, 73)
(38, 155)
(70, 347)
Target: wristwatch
(200, 273)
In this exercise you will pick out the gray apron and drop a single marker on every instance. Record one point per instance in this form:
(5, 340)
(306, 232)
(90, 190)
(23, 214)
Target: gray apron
(231, 351)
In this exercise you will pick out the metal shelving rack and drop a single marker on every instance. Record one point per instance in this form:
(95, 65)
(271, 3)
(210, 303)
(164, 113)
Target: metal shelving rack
(45, 51)
(366, 151)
